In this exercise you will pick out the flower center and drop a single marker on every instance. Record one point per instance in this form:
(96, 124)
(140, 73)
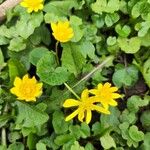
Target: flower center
(86, 105)
(27, 90)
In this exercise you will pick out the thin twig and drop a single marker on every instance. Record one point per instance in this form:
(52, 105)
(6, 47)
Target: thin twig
(3, 132)
(56, 50)
(7, 5)
(94, 70)
(71, 90)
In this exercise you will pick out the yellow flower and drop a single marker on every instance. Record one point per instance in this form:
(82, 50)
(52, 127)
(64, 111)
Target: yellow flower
(26, 89)
(85, 107)
(62, 31)
(32, 5)
(106, 94)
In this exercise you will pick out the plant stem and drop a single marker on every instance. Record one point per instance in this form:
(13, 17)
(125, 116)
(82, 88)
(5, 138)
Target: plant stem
(56, 50)
(3, 132)
(94, 70)
(71, 90)
(4, 137)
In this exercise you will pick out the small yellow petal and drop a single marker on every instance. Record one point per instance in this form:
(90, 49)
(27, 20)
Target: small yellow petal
(113, 89)
(81, 115)
(23, 4)
(113, 103)
(101, 109)
(88, 116)
(31, 99)
(54, 26)
(85, 94)
(14, 90)
(72, 115)
(17, 81)
(41, 6)
(107, 85)
(100, 86)
(29, 10)
(71, 103)
(66, 24)
(94, 91)
(116, 95)
(25, 78)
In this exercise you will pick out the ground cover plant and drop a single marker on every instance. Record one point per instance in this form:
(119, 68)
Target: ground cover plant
(75, 75)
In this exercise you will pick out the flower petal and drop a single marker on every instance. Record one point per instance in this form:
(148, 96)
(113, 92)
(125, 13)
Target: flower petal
(25, 78)
(100, 86)
(23, 4)
(85, 94)
(116, 95)
(81, 115)
(88, 116)
(113, 89)
(14, 90)
(94, 91)
(54, 26)
(113, 103)
(101, 109)
(107, 85)
(71, 103)
(72, 115)
(17, 81)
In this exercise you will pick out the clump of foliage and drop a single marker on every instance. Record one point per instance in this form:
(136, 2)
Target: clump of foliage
(105, 41)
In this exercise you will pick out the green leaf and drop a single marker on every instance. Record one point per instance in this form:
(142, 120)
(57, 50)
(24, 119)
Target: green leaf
(40, 146)
(109, 6)
(63, 139)
(146, 144)
(60, 8)
(136, 135)
(129, 46)
(17, 44)
(16, 146)
(75, 131)
(3, 40)
(16, 68)
(145, 119)
(125, 76)
(48, 71)
(4, 119)
(112, 119)
(76, 146)
(145, 26)
(98, 128)
(85, 130)
(107, 142)
(75, 23)
(59, 123)
(140, 8)
(146, 71)
(145, 40)
(134, 102)
(14, 136)
(111, 19)
(3, 147)
(72, 58)
(2, 63)
(26, 27)
(127, 116)
(30, 116)
(36, 54)
(49, 141)
(123, 31)
(89, 146)
(111, 40)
